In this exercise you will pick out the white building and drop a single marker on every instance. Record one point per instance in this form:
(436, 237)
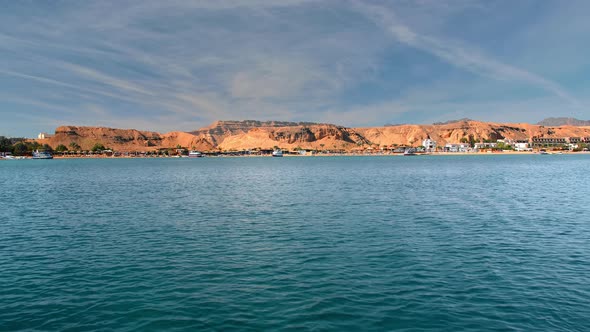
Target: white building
(521, 146)
(457, 147)
(43, 135)
(429, 144)
(478, 146)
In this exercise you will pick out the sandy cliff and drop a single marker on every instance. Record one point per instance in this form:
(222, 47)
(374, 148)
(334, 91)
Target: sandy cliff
(240, 135)
(445, 133)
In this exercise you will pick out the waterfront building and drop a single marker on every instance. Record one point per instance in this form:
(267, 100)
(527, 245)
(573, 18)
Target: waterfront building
(429, 144)
(571, 142)
(576, 140)
(483, 146)
(457, 147)
(521, 146)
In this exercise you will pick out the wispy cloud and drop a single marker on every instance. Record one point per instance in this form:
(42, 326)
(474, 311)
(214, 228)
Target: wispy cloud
(170, 58)
(102, 78)
(182, 64)
(456, 53)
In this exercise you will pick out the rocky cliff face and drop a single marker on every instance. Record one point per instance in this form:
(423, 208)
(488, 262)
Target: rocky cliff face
(240, 135)
(119, 139)
(305, 137)
(444, 133)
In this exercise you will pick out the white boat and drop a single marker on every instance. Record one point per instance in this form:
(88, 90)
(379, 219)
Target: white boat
(410, 152)
(277, 153)
(42, 155)
(194, 154)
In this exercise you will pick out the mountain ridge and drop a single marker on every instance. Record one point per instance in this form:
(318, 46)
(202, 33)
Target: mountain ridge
(563, 121)
(252, 134)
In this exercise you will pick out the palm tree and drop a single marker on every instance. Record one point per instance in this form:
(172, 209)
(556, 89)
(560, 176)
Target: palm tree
(74, 146)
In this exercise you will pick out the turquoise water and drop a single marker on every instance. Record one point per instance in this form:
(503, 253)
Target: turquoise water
(344, 244)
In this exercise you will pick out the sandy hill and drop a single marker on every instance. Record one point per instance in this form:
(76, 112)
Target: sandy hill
(303, 136)
(187, 140)
(124, 139)
(444, 133)
(240, 135)
(453, 132)
(118, 139)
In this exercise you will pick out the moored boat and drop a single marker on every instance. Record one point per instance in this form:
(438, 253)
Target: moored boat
(277, 153)
(42, 155)
(195, 154)
(410, 152)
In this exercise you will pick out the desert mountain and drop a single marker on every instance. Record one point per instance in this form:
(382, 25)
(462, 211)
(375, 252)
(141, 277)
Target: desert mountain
(556, 122)
(119, 139)
(243, 135)
(238, 135)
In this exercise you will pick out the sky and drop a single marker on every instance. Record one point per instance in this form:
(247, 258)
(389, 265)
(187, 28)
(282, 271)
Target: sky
(180, 65)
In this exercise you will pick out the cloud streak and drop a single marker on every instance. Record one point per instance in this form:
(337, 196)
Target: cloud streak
(457, 54)
(183, 64)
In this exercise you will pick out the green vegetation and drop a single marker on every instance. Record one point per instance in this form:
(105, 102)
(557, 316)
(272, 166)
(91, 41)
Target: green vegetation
(581, 147)
(98, 147)
(74, 146)
(46, 147)
(504, 146)
(5, 144)
(61, 148)
(20, 147)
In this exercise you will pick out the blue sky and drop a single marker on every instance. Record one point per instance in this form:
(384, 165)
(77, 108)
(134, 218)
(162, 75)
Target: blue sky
(179, 65)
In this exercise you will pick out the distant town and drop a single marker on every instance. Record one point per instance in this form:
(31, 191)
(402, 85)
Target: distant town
(428, 146)
(257, 138)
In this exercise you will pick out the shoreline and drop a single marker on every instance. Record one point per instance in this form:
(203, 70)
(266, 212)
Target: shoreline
(435, 154)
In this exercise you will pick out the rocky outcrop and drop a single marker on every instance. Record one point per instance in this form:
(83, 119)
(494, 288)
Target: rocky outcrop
(305, 136)
(452, 132)
(119, 139)
(241, 135)
(187, 140)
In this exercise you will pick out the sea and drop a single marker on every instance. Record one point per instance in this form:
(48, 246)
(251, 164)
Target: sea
(384, 243)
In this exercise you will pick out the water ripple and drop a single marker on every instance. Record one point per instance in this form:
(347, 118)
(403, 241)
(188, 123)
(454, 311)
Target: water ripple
(409, 244)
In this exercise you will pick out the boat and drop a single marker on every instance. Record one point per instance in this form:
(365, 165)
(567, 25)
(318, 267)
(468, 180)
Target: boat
(410, 152)
(42, 155)
(277, 153)
(194, 154)
(543, 152)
